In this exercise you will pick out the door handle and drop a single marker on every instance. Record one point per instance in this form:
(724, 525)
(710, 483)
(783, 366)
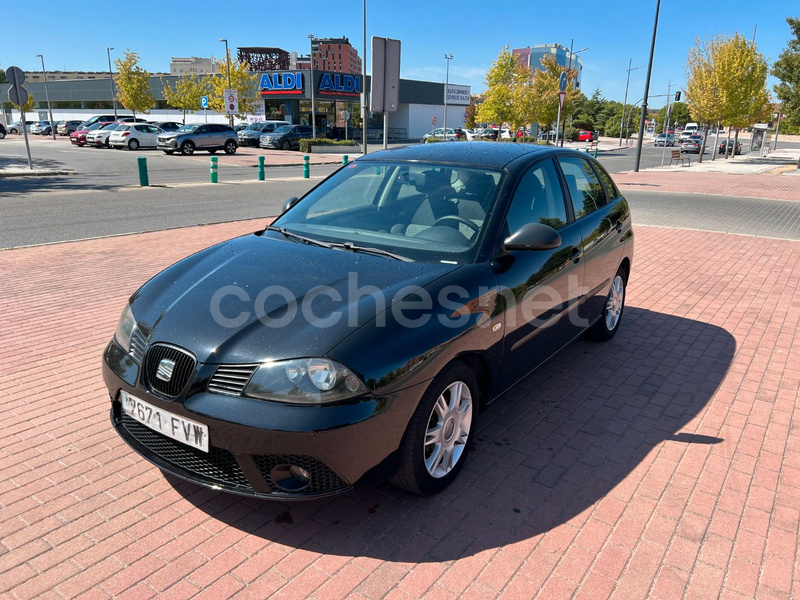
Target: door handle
(619, 227)
(576, 254)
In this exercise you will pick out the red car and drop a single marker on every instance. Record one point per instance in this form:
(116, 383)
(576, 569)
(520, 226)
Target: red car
(587, 136)
(79, 137)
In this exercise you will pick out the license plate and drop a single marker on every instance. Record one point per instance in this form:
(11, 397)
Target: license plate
(178, 428)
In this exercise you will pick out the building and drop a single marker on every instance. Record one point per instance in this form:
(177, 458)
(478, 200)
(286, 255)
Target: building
(531, 56)
(335, 55)
(64, 75)
(193, 65)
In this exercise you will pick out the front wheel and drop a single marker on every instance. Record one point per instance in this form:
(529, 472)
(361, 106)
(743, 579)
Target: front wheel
(605, 328)
(187, 148)
(436, 443)
(286, 146)
(230, 147)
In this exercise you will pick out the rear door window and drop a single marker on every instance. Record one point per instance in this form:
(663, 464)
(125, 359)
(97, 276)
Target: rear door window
(584, 187)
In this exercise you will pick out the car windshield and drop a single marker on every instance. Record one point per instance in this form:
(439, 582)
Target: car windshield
(429, 213)
(110, 126)
(187, 128)
(94, 126)
(255, 126)
(283, 129)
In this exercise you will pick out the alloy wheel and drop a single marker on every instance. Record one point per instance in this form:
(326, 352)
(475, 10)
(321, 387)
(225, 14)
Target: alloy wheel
(448, 429)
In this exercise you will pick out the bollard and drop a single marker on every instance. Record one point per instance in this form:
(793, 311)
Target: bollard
(345, 158)
(144, 180)
(305, 167)
(261, 168)
(213, 175)
(595, 152)
(587, 150)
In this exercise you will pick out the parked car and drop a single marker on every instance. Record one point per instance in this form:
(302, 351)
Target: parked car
(16, 129)
(732, 147)
(3, 131)
(208, 136)
(216, 378)
(103, 118)
(79, 137)
(46, 128)
(67, 127)
(36, 128)
(134, 136)
(286, 137)
(166, 125)
(251, 135)
(587, 136)
(667, 139)
(692, 144)
(486, 134)
(440, 135)
(239, 126)
(686, 134)
(99, 137)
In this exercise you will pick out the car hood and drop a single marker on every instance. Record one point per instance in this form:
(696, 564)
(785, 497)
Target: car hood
(172, 134)
(210, 303)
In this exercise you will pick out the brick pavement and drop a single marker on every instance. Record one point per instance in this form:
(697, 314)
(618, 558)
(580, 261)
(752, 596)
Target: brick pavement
(664, 464)
(758, 185)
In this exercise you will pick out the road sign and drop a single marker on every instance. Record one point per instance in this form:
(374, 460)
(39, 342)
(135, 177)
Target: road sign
(15, 76)
(433, 121)
(562, 82)
(561, 96)
(231, 101)
(345, 116)
(203, 101)
(466, 116)
(18, 95)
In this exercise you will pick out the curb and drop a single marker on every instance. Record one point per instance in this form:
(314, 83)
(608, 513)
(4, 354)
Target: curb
(34, 173)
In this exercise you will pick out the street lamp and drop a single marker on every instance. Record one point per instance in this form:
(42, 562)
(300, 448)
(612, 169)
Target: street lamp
(47, 95)
(627, 81)
(569, 68)
(111, 77)
(646, 91)
(230, 86)
(313, 107)
(448, 58)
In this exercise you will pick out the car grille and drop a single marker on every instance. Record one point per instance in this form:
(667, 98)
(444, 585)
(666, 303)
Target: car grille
(184, 367)
(138, 343)
(323, 479)
(231, 379)
(217, 465)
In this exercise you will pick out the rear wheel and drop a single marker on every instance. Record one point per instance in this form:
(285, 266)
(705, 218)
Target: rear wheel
(230, 147)
(436, 443)
(607, 326)
(286, 146)
(187, 148)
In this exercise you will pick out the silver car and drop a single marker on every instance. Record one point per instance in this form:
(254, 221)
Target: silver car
(207, 136)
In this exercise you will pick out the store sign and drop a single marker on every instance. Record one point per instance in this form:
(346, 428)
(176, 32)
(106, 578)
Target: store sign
(458, 94)
(281, 83)
(337, 83)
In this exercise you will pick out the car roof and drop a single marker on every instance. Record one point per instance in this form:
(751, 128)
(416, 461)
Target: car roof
(486, 154)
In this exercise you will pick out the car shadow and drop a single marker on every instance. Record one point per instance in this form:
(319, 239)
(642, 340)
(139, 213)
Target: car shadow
(545, 452)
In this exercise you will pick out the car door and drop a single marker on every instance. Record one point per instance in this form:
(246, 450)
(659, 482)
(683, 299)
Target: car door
(202, 136)
(601, 221)
(540, 289)
(152, 135)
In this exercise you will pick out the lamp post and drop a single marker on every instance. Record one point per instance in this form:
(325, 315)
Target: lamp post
(646, 91)
(364, 105)
(47, 95)
(627, 81)
(569, 68)
(111, 77)
(313, 106)
(447, 58)
(230, 86)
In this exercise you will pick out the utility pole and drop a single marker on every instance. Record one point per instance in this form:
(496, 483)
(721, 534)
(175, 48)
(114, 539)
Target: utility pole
(447, 58)
(47, 95)
(364, 104)
(111, 77)
(230, 87)
(666, 122)
(627, 81)
(646, 91)
(313, 106)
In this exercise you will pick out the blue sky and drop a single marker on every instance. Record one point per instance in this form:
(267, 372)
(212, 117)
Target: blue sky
(472, 31)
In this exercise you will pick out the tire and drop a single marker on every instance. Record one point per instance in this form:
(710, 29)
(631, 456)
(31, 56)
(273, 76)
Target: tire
(230, 147)
(2, 135)
(187, 148)
(133, 144)
(449, 407)
(286, 146)
(608, 324)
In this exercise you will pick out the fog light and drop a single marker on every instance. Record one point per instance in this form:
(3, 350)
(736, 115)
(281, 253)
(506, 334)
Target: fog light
(290, 478)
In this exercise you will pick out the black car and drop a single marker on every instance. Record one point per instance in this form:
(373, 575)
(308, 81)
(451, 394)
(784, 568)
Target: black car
(732, 147)
(3, 132)
(166, 125)
(358, 337)
(286, 138)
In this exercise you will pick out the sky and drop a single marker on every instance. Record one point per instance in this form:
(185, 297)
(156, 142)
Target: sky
(473, 31)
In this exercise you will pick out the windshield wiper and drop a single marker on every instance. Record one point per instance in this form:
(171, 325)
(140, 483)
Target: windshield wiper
(368, 250)
(296, 236)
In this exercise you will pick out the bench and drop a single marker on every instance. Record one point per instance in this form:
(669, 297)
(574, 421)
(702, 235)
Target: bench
(677, 155)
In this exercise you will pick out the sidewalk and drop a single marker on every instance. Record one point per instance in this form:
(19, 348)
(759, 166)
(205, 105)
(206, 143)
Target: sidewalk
(664, 464)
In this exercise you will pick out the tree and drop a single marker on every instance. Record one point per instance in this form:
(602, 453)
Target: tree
(133, 84)
(679, 113)
(787, 70)
(545, 90)
(702, 91)
(187, 92)
(501, 79)
(28, 107)
(471, 112)
(3, 78)
(242, 80)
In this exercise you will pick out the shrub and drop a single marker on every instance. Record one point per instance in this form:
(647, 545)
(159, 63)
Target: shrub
(306, 143)
(571, 134)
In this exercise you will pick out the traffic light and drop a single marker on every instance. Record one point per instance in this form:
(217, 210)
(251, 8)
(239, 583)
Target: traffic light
(678, 96)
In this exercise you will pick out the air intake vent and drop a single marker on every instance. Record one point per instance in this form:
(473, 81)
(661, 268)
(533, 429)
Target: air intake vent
(169, 381)
(231, 379)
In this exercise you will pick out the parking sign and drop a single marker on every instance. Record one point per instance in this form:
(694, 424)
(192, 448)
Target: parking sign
(203, 101)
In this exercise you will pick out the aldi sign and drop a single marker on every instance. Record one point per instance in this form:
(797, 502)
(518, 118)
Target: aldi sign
(341, 84)
(281, 83)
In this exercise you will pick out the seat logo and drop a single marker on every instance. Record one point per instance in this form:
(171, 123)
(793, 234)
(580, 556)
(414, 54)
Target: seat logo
(165, 369)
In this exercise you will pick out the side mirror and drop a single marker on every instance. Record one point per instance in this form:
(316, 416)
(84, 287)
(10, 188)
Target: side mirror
(532, 236)
(290, 202)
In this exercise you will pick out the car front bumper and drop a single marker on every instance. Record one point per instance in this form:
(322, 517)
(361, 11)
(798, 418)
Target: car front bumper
(342, 445)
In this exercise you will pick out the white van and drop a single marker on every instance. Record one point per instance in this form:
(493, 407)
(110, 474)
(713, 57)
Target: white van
(693, 127)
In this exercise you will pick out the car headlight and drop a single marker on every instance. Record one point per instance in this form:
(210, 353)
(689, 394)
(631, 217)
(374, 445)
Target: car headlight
(304, 381)
(125, 328)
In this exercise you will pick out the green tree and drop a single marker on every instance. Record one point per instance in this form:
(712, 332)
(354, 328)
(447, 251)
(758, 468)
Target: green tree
(702, 88)
(27, 107)
(679, 113)
(187, 91)
(471, 112)
(545, 90)
(242, 80)
(3, 78)
(787, 70)
(498, 104)
(133, 84)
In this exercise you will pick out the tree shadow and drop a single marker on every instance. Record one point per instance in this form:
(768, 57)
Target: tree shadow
(545, 452)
